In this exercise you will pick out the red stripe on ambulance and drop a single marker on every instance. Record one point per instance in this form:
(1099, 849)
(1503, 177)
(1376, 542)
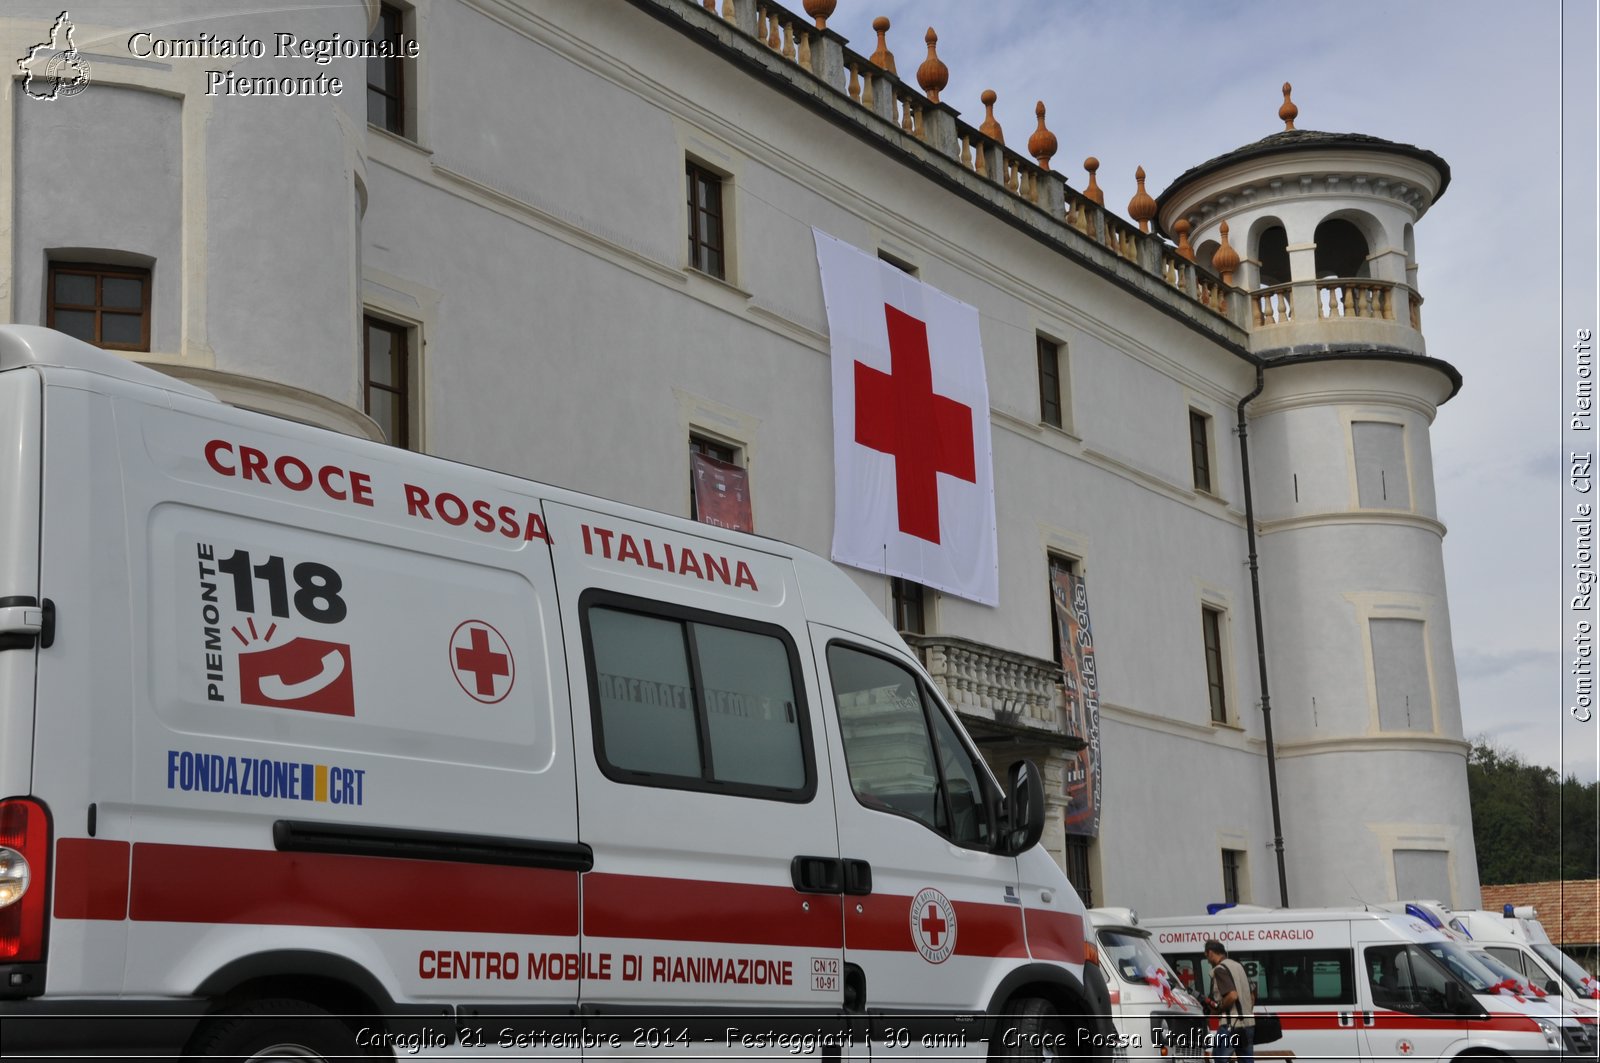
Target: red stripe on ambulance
(1055, 936)
(884, 925)
(91, 879)
(204, 884)
(670, 909)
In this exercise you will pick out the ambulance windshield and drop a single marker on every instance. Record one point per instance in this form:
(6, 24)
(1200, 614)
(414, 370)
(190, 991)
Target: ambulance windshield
(1136, 960)
(1571, 973)
(1503, 974)
(1463, 964)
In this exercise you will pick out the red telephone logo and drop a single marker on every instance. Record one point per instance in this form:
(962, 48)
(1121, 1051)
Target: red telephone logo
(304, 674)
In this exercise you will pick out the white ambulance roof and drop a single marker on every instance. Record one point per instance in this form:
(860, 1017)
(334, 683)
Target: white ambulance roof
(24, 345)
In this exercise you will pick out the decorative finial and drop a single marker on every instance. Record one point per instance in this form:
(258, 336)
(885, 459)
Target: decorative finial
(1226, 260)
(1288, 112)
(1185, 249)
(990, 128)
(933, 75)
(820, 10)
(1141, 208)
(1093, 190)
(883, 58)
(1042, 145)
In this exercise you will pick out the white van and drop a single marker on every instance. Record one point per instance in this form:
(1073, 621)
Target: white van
(1360, 984)
(315, 744)
(1517, 938)
(1156, 1016)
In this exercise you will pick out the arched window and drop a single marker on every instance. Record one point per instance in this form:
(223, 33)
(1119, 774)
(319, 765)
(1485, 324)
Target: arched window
(1273, 252)
(1341, 250)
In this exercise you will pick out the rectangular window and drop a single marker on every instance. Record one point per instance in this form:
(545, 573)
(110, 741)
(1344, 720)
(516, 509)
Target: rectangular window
(1400, 673)
(910, 605)
(1077, 862)
(1235, 885)
(696, 701)
(719, 486)
(1049, 381)
(902, 753)
(1380, 451)
(1211, 634)
(386, 378)
(898, 263)
(1280, 976)
(1200, 450)
(706, 231)
(386, 76)
(108, 306)
(1422, 873)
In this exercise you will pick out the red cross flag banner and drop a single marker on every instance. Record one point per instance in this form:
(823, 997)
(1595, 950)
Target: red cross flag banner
(914, 481)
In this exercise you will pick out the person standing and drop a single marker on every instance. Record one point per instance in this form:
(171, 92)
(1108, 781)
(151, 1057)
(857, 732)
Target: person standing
(1234, 1004)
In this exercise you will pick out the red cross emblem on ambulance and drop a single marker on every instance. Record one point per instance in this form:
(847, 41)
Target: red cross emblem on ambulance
(933, 925)
(481, 660)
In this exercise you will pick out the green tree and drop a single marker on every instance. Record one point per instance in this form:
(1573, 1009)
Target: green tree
(1529, 824)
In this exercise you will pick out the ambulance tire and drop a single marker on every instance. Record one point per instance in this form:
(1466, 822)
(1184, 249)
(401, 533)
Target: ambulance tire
(270, 1029)
(1029, 1032)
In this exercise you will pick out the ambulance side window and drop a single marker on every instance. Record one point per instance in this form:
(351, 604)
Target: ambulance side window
(1512, 958)
(1404, 978)
(692, 700)
(902, 754)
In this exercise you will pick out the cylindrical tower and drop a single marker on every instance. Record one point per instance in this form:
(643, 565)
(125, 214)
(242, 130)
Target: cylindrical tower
(165, 182)
(1366, 713)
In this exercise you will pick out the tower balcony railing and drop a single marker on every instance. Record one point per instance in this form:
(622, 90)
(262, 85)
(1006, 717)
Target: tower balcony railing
(1330, 300)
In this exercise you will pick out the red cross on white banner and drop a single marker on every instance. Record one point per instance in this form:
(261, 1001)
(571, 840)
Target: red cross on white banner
(914, 493)
(899, 414)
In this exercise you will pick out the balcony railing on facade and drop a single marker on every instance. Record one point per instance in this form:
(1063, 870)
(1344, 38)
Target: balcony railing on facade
(871, 81)
(1002, 695)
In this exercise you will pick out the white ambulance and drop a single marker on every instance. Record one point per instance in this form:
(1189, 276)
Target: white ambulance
(1517, 938)
(1365, 984)
(1156, 1017)
(311, 746)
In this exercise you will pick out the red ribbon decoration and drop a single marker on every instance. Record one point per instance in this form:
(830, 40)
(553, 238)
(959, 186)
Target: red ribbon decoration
(1509, 985)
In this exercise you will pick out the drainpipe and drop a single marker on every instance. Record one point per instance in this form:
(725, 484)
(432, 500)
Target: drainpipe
(1261, 638)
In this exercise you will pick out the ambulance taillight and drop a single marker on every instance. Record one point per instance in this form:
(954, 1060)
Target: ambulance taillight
(24, 861)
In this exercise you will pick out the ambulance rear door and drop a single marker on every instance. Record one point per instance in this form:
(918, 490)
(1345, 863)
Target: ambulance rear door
(713, 909)
(20, 428)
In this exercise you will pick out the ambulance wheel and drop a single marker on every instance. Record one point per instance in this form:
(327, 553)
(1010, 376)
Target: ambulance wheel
(1031, 1031)
(275, 1029)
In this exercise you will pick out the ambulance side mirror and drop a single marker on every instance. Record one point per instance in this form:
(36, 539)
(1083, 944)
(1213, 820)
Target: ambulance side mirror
(1022, 818)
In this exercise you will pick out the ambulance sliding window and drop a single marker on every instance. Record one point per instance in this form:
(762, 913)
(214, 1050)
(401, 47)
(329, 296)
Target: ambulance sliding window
(688, 704)
(884, 719)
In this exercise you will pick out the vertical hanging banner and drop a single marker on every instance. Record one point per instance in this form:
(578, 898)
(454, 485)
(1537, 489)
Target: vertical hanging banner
(721, 493)
(1071, 597)
(914, 480)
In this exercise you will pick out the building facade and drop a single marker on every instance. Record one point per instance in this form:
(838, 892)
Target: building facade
(573, 241)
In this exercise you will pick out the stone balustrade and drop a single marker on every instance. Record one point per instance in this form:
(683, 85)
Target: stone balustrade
(1272, 306)
(1334, 299)
(1355, 299)
(872, 82)
(992, 683)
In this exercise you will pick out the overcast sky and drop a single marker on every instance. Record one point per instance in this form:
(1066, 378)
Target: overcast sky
(1167, 85)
